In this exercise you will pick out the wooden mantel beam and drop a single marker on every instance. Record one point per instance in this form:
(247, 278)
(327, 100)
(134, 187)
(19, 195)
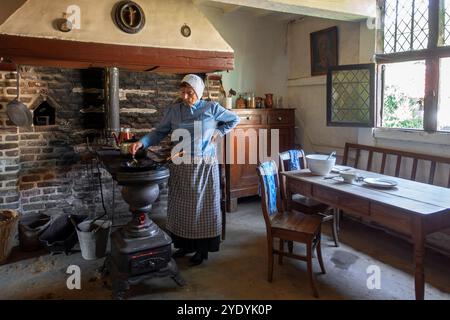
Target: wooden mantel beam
(75, 54)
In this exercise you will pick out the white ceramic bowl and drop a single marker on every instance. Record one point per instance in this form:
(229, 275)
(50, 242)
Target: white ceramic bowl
(348, 176)
(319, 164)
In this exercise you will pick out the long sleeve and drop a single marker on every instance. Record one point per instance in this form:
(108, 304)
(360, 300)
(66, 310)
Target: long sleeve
(162, 130)
(228, 118)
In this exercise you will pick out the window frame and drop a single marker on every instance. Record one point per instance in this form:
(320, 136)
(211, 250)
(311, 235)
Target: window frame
(431, 55)
(372, 78)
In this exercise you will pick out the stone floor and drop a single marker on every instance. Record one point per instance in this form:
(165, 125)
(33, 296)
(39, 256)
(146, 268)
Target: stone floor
(238, 271)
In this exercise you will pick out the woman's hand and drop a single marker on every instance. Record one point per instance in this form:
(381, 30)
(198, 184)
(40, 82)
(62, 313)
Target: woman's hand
(135, 147)
(215, 138)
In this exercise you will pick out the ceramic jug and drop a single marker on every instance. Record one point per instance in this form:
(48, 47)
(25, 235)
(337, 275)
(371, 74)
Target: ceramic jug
(240, 103)
(268, 102)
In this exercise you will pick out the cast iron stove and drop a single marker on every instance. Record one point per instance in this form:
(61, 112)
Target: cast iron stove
(140, 250)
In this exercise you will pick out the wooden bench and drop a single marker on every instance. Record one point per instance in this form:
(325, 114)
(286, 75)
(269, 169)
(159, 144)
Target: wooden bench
(424, 168)
(369, 152)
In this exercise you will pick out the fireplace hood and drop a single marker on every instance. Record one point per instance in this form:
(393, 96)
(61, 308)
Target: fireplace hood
(30, 36)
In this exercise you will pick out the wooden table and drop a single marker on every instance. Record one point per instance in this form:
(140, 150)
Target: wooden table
(412, 208)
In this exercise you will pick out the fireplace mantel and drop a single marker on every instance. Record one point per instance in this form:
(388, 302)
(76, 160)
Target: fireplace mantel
(80, 55)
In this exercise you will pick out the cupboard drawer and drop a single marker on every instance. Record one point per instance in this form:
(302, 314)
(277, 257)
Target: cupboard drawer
(250, 118)
(281, 117)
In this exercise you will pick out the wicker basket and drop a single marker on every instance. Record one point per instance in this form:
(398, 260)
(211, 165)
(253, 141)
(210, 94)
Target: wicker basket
(9, 220)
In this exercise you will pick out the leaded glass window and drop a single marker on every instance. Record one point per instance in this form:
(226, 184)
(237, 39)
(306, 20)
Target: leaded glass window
(446, 17)
(405, 25)
(414, 52)
(350, 95)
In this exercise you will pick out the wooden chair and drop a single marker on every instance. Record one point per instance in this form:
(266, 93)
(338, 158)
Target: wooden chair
(305, 204)
(287, 226)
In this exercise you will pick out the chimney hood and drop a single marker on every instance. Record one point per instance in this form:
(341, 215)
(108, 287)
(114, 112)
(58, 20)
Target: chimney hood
(30, 36)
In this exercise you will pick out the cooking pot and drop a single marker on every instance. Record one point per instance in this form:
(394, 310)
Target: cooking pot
(125, 148)
(17, 111)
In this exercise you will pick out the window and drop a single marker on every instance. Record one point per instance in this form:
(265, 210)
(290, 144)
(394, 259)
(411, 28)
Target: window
(350, 95)
(414, 64)
(404, 87)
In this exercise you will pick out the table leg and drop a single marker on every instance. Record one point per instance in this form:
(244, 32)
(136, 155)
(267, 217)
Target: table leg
(419, 255)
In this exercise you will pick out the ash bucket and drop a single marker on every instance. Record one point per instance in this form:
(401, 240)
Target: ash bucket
(30, 228)
(94, 238)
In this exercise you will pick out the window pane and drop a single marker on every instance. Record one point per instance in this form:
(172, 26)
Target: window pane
(443, 116)
(404, 90)
(447, 22)
(350, 96)
(405, 25)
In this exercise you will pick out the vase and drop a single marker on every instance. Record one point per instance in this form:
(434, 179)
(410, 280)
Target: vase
(268, 102)
(240, 103)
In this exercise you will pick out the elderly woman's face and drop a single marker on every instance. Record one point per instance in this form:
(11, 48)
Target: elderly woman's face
(188, 95)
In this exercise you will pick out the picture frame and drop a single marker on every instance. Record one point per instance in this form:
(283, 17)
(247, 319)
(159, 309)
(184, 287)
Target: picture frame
(324, 50)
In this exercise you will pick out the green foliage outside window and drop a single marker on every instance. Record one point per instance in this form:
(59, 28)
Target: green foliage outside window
(401, 111)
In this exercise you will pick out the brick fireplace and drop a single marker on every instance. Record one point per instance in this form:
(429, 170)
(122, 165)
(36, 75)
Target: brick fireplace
(43, 169)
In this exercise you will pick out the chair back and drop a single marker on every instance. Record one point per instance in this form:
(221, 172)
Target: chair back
(270, 189)
(292, 160)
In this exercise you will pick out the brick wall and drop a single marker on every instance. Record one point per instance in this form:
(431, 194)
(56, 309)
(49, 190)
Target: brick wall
(43, 169)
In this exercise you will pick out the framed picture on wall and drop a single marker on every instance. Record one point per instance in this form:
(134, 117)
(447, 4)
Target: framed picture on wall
(324, 50)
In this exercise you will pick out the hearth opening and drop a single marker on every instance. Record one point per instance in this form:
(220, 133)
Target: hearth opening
(44, 115)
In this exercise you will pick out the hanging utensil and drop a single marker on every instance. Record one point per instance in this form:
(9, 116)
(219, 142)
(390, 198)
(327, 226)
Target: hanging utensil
(17, 111)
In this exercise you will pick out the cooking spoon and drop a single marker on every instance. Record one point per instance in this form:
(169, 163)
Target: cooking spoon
(331, 155)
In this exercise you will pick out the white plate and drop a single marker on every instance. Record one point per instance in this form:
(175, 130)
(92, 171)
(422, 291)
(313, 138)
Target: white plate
(338, 169)
(380, 183)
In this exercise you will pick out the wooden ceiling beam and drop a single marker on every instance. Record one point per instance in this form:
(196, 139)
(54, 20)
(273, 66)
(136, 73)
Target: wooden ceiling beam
(345, 10)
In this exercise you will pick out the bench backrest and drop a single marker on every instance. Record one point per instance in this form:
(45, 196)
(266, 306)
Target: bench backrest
(363, 157)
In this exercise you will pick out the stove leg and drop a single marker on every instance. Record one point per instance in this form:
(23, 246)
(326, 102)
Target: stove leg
(119, 289)
(179, 280)
(104, 270)
(175, 273)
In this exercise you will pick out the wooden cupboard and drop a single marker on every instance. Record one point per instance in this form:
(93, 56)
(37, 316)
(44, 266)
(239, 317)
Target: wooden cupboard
(241, 178)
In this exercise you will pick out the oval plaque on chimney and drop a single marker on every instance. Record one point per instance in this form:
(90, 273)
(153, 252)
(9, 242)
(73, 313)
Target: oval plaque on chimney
(129, 16)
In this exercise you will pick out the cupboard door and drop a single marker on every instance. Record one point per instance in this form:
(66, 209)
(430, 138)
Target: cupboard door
(286, 139)
(242, 177)
(285, 142)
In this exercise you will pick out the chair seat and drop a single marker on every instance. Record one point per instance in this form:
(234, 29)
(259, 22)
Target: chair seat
(307, 204)
(298, 222)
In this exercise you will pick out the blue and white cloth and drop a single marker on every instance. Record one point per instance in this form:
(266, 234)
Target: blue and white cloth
(294, 163)
(193, 208)
(269, 171)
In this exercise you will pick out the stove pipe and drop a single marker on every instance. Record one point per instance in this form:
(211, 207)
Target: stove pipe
(112, 110)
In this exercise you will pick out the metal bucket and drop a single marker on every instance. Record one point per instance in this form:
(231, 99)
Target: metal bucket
(94, 239)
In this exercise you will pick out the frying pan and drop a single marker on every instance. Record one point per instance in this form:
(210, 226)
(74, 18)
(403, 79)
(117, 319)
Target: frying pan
(17, 111)
(139, 165)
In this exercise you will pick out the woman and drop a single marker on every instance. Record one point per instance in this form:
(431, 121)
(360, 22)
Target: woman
(193, 213)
